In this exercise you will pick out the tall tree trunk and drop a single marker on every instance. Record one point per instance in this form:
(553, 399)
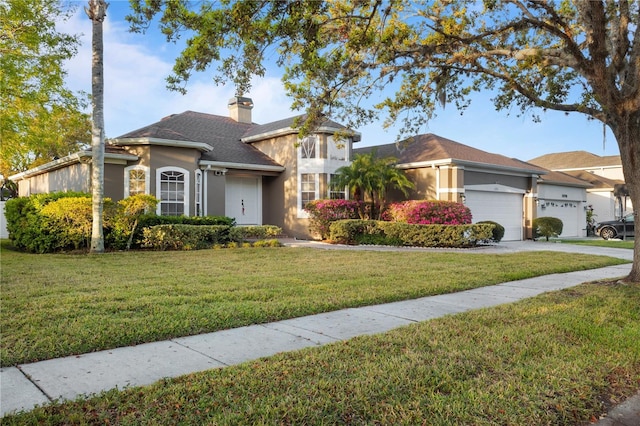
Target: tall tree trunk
(97, 11)
(626, 128)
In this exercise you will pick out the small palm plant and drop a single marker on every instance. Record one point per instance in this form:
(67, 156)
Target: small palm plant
(369, 178)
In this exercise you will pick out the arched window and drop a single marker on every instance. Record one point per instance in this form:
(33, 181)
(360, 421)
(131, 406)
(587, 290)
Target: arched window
(172, 189)
(136, 180)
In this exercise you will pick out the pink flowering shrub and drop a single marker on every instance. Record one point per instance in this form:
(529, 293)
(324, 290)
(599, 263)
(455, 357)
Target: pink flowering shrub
(428, 212)
(323, 212)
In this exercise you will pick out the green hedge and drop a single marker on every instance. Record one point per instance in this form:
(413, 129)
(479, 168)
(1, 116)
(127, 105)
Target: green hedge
(241, 233)
(405, 234)
(44, 223)
(185, 237)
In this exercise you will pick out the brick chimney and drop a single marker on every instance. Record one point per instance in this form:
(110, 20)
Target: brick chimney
(240, 109)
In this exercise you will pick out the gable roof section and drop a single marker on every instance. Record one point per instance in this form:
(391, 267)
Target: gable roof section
(288, 126)
(565, 179)
(195, 129)
(596, 181)
(424, 150)
(575, 160)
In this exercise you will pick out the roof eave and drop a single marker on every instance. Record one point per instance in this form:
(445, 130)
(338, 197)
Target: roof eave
(472, 164)
(290, 130)
(76, 157)
(202, 146)
(242, 166)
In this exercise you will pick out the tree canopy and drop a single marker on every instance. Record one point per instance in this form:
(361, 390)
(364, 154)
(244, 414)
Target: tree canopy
(566, 55)
(40, 118)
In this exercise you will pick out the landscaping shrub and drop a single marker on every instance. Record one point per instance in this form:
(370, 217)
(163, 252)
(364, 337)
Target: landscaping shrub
(121, 233)
(70, 219)
(267, 243)
(397, 233)
(498, 231)
(428, 212)
(152, 219)
(184, 237)
(241, 233)
(323, 212)
(36, 231)
(546, 227)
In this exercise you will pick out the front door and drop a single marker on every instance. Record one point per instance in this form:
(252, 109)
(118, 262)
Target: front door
(242, 196)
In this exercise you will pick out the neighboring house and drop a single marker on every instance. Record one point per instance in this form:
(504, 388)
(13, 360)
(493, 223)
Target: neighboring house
(565, 197)
(603, 173)
(201, 164)
(493, 186)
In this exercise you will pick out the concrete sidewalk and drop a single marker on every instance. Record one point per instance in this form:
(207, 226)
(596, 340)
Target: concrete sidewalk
(26, 386)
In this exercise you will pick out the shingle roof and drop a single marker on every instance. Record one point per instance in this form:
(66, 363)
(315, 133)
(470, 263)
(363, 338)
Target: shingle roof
(221, 133)
(564, 178)
(287, 123)
(430, 147)
(596, 181)
(575, 160)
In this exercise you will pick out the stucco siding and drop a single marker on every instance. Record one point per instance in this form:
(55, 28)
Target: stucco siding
(183, 158)
(480, 178)
(280, 196)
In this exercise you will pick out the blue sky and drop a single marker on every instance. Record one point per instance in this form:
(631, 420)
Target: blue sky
(135, 95)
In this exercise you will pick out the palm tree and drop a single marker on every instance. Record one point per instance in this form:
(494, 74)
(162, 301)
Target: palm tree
(97, 11)
(368, 178)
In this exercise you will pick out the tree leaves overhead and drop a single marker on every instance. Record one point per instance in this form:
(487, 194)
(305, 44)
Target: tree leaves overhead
(337, 54)
(40, 118)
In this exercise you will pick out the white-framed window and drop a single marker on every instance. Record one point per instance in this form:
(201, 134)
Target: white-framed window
(308, 189)
(198, 195)
(309, 147)
(136, 180)
(172, 189)
(334, 192)
(337, 150)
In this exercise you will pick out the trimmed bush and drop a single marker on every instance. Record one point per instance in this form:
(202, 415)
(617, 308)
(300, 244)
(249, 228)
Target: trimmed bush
(498, 231)
(546, 227)
(397, 233)
(241, 233)
(184, 237)
(428, 212)
(43, 223)
(323, 212)
(70, 219)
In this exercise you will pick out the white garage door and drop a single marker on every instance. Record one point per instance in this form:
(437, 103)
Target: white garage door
(501, 207)
(567, 212)
(243, 202)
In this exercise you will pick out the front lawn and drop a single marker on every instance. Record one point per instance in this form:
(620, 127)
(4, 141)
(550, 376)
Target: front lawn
(627, 244)
(558, 359)
(56, 305)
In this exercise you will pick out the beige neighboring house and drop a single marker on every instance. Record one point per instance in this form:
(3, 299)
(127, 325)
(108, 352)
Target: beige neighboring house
(604, 173)
(564, 196)
(494, 187)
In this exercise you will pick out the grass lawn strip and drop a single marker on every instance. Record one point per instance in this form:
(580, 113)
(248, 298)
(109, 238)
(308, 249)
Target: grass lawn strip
(626, 244)
(558, 359)
(60, 305)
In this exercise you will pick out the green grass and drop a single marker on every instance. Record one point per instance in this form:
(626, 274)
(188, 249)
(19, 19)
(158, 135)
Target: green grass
(58, 304)
(558, 359)
(627, 244)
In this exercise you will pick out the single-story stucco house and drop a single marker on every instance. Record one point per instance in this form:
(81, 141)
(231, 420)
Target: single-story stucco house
(604, 173)
(202, 164)
(494, 187)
